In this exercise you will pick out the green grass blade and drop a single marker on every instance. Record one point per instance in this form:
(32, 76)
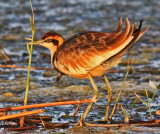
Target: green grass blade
(29, 66)
(28, 49)
(132, 107)
(154, 93)
(30, 55)
(140, 98)
(128, 70)
(146, 93)
(32, 25)
(119, 94)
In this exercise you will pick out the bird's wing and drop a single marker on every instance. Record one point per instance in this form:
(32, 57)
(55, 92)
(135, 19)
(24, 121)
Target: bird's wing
(85, 51)
(137, 34)
(115, 59)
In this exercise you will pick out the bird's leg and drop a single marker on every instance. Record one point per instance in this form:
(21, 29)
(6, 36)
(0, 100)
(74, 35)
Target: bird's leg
(109, 99)
(94, 97)
(58, 77)
(82, 99)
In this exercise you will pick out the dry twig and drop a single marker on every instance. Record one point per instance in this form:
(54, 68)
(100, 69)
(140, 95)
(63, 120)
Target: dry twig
(4, 55)
(21, 114)
(48, 104)
(143, 123)
(34, 68)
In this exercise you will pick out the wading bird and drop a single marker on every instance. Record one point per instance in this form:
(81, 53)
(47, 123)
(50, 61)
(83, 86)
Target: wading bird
(90, 54)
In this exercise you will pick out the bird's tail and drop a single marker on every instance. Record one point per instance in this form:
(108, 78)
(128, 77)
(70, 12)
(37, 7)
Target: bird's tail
(137, 33)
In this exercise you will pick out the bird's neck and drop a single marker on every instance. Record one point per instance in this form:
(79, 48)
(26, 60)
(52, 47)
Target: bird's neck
(52, 51)
(54, 48)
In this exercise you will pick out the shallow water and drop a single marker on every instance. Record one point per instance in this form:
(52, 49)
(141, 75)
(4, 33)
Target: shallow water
(67, 18)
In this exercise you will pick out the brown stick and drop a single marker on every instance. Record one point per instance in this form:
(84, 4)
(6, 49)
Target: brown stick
(104, 125)
(23, 128)
(147, 124)
(48, 104)
(21, 114)
(110, 71)
(82, 99)
(41, 68)
(4, 55)
(115, 105)
(34, 68)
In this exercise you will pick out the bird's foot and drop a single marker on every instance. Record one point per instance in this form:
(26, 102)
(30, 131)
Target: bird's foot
(104, 121)
(81, 122)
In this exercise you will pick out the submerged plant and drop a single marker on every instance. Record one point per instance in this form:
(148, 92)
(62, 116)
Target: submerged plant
(148, 99)
(124, 112)
(123, 85)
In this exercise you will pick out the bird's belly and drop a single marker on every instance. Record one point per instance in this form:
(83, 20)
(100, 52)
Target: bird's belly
(78, 72)
(98, 71)
(102, 68)
(95, 72)
(82, 73)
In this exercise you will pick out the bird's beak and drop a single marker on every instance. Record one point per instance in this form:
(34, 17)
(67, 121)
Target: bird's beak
(35, 42)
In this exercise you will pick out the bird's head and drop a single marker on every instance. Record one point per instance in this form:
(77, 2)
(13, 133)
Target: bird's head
(50, 40)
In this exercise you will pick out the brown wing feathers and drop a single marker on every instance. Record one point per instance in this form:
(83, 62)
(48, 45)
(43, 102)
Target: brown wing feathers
(122, 36)
(120, 26)
(90, 49)
(137, 34)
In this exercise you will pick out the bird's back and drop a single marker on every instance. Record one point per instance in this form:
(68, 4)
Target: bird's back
(77, 53)
(85, 52)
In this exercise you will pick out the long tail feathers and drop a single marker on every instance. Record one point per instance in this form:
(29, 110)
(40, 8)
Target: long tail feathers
(123, 36)
(136, 33)
(120, 26)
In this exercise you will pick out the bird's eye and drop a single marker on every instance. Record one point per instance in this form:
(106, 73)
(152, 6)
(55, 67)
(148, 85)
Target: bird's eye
(55, 42)
(48, 40)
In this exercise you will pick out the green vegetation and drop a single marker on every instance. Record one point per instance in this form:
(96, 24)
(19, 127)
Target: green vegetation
(148, 99)
(29, 48)
(123, 85)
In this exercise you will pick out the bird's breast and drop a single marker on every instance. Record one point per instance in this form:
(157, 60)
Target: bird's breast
(71, 69)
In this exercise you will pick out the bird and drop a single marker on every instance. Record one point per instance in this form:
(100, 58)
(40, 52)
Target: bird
(90, 54)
